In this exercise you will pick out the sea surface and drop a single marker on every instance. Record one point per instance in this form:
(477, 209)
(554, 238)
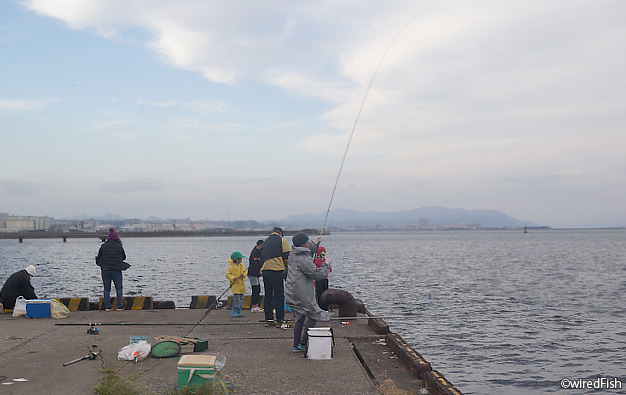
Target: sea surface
(497, 312)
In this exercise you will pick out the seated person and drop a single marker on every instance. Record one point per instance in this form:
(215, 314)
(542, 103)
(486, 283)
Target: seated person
(18, 284)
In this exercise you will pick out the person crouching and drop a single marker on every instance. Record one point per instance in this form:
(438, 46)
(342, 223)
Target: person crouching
(18, 284)
(236, 274)
(300, 289)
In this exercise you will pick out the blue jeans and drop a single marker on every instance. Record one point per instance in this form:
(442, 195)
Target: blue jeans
(274, 295)
(237, 304)
(109, 275)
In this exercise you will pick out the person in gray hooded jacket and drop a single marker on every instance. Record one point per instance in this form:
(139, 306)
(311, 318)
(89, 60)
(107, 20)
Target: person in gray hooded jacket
(300, 289)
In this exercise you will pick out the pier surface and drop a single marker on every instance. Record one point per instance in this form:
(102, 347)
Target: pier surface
(258, 357)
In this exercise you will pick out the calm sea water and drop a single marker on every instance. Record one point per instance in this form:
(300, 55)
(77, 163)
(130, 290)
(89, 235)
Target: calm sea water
(494, 311)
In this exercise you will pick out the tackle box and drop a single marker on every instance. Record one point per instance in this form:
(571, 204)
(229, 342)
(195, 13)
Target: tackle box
(38, 308)
(321, 343)
(196, 370)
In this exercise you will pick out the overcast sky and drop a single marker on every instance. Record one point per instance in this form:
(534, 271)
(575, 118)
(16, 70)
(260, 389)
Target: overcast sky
(243, 109)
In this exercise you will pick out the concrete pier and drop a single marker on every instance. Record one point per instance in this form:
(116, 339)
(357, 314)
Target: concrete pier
(258, 356)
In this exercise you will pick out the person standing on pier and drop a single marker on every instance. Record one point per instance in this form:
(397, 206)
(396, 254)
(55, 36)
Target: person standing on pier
(321, 285)
(110, 258)
(18, 284)
(236, 274)
(274, 254)
(300, 289)
(254, 274)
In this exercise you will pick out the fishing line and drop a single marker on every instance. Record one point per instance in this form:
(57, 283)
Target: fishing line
(356, 121)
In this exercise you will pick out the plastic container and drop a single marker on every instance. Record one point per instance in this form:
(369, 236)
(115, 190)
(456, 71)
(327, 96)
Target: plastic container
(38, 308)
(220, 362)
(136, 339)
(321, 343)
(196, 370)
(200, 345)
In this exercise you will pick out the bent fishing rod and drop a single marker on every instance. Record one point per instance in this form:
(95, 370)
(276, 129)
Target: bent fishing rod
(358, 115)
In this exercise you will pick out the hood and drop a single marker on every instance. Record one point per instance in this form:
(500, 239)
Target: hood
(301, 250)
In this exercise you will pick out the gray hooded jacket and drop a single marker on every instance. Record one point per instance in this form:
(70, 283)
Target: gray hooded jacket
(299, 286)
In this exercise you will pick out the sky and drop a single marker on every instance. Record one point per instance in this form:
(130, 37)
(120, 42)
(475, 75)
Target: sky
(243, 109)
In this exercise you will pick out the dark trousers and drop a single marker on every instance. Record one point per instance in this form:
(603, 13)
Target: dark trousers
(274, 295)
(256, 292)
(320, 287)
(115, 276)
(301, 329)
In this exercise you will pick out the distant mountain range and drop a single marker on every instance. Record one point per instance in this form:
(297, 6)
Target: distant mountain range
(436, 216)
(105, 217)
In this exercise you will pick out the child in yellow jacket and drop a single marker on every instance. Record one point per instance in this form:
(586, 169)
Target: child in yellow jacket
(236, 274)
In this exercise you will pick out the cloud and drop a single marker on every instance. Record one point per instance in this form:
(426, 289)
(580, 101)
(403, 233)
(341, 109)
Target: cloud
(21, 105)
(207, 107)
(516, 93)
(110, 124)
(21, 188)
(169, 103)
(134, 185)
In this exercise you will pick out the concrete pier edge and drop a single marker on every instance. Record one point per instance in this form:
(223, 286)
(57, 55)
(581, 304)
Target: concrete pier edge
(432, 380)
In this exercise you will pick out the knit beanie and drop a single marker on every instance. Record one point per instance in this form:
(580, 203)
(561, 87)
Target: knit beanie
(112, 235)
(299, 239)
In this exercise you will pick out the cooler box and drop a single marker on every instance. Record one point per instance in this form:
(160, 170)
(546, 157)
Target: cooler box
(196, 370)
(38, 308)
(321, 343)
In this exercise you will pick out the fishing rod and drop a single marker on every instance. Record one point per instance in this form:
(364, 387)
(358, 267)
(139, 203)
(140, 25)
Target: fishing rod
(211, 324)
(358, 116)
(210, 308)
(93, 354)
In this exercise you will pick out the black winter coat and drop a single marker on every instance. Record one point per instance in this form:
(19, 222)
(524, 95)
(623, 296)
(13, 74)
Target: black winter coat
(254, 269)
(18, 284)
(111, 256)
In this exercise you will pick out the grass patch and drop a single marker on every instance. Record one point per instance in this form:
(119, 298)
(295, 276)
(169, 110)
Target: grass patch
(204, 389)
(113, 385)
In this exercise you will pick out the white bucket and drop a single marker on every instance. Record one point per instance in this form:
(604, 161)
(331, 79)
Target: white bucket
(321, 343)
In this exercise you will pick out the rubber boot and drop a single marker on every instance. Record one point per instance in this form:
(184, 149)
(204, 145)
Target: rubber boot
(234, 313)
(239, 313)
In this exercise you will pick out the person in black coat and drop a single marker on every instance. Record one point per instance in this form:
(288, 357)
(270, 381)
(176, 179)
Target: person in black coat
(111, 261)
(254, 273)
(18, 284)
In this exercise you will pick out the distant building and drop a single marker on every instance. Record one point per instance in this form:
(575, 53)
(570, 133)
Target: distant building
(12, 223)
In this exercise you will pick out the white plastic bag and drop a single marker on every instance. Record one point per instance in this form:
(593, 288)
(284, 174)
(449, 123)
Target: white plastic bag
(135, 351)
(20, 307)
(58, 309)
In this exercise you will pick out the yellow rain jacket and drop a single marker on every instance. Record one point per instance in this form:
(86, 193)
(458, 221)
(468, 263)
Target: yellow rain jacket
(235, 270)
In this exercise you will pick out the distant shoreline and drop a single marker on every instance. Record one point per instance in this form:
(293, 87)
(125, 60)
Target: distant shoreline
(259, 233)
(95, 235)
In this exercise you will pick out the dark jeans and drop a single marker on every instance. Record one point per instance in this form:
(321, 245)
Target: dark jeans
(274, 295)
(256, 292)
(301, 329)
(320, 287)
(109, 275)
